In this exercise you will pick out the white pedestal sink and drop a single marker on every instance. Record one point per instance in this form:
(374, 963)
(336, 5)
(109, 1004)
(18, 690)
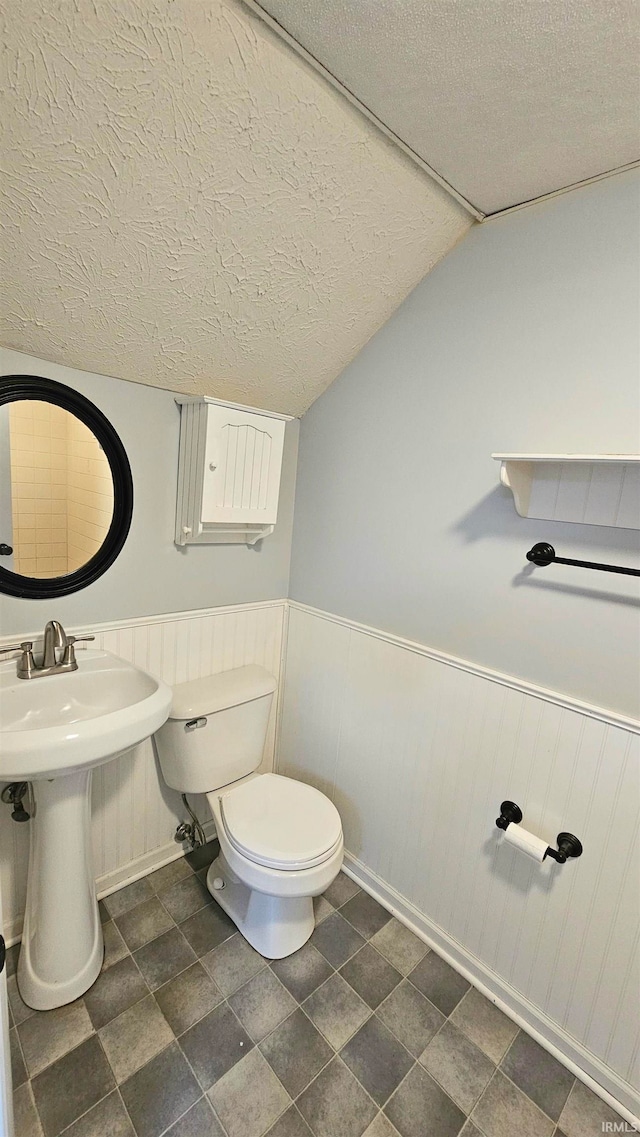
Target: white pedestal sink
(53, 730)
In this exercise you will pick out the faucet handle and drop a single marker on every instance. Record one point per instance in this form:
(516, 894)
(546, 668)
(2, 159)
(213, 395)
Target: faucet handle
(26, 646)
(69, 657)
(26, 664)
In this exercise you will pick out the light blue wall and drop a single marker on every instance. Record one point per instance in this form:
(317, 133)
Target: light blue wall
(152, 575)
(525, 338)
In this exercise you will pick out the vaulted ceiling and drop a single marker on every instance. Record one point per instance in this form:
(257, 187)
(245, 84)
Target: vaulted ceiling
(188, 204)
(507, 100)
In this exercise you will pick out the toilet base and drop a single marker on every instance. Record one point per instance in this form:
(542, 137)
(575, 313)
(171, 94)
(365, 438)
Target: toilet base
(275, 926)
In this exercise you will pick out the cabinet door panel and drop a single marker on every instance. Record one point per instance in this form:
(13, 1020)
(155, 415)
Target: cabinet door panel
(242, 467)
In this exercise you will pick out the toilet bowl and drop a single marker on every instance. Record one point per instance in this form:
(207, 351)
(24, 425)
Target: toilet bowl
(269, 870)
(281, 840)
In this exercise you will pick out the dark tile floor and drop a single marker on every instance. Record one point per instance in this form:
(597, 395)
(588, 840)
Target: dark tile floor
(189, 1032)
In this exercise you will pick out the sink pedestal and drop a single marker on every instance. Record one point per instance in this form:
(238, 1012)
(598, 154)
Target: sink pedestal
(62, 945)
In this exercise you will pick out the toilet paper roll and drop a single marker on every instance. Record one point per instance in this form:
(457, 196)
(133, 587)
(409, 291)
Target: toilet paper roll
(525, 841)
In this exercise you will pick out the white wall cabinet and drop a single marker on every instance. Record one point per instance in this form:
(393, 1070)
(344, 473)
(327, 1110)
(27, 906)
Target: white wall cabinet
(228, 472)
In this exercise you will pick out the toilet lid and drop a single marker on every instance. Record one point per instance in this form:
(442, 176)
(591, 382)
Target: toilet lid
(281, 823)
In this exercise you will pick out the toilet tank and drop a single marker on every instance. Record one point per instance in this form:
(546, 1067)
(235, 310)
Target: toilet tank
(216, 730)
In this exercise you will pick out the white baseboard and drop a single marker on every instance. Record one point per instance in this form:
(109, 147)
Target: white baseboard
(126, 874)
(604, 1082)
(144, 865)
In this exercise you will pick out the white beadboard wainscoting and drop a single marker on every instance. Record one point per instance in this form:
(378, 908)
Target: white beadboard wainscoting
(134, 812)
(418, 750)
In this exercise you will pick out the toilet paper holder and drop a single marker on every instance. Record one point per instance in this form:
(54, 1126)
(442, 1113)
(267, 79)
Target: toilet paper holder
(568, 845)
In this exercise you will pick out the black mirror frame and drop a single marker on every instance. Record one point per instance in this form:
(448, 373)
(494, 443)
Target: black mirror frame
(14, 388)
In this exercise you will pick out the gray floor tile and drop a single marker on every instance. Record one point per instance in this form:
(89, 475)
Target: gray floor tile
(215, 1044)
(538, 1074)
(336, 939)
(341, 890)
(371, 976)
(108, 1118)
(203, 855)
(377, 1059)
(125, 898)
(290, 1124)
(199, 1121)
(169, 874)
(411, 1017)
(233, 963)
(145, 922)
(585, 1114)
(420, 1098)
(443, 986)
(457, 1058)
(71, 1086)
(335, 1104)
(185, 897)
(458, 1065)
(164, 957)
(484, 1024)
(114, 991)
(114, 945)
(381, 1127)
(161, 1092)
(135, 1037)
(25, 1114)
(366, 915)
(249, 1098)
(321, 908)
(19, 1009)
(262, 1004)
(337, 1010)
(47, 1035)
(207, 928)
(11, 961)
(503, 1110)
(296, 1051)
(303, 971)
(188, 998)
(103, 912)
(18, 1068)
(397, 944)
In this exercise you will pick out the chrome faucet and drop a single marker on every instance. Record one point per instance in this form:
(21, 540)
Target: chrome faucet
(59, 655)
(55, 640)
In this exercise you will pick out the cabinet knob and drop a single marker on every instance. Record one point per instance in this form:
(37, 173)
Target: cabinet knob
(212, 466)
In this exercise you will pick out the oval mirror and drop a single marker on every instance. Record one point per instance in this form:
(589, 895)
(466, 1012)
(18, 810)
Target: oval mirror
(66, 493)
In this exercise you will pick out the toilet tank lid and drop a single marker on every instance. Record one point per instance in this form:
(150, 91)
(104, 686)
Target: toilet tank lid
(218, 692)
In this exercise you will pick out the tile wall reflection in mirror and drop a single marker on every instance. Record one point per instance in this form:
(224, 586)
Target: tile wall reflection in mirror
(61, 490)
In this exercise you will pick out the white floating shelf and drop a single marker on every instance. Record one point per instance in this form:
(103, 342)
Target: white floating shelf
(589, 489)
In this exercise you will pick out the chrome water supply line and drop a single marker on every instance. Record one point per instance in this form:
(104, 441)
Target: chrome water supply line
(192, 833)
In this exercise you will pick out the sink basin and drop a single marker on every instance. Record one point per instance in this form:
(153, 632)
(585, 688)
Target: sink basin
(60, 723)
(53, 731)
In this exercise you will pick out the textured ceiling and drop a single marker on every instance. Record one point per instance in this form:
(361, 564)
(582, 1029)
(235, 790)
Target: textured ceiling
(506, 99)
(188, 204)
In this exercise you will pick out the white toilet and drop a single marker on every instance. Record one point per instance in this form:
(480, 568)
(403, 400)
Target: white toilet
(281, 841)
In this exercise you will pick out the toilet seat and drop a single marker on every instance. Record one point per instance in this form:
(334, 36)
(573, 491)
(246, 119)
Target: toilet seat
(280, 823)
